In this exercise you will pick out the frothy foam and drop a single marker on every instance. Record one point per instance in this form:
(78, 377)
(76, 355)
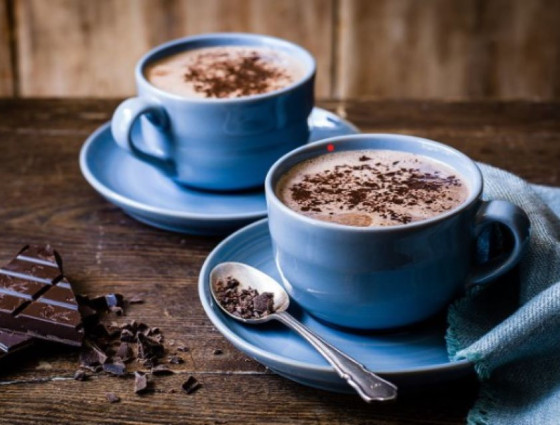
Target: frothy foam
(371, 188)
(225, 72)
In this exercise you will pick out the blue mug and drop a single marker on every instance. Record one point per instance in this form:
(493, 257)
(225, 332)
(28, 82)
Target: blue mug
(386, 277)
(216, 144)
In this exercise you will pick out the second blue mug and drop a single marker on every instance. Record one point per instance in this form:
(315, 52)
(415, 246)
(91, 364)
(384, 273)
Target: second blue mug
(216, 144)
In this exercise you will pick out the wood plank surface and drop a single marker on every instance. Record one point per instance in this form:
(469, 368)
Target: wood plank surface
(384, 49)
(6, 72)
(470, 49)
(89, 48)
(44, 198)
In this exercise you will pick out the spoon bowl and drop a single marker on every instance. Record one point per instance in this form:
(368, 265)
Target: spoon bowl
(249, 277)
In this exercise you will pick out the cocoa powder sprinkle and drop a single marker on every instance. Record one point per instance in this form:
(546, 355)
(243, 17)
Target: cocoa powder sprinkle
(378, 188)
(233, 75)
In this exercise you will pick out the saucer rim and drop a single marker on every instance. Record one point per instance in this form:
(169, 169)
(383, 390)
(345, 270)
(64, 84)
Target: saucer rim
(219, 322)
(126, 202)
(143, 208)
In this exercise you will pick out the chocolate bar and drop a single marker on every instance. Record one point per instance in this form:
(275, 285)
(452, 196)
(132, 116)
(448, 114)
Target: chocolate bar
(12, 341)
(37, 300)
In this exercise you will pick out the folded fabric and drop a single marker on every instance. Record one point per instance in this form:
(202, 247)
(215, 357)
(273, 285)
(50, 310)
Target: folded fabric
(510, 329)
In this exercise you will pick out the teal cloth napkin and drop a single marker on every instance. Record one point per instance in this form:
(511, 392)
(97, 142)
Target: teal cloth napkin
(510, 329)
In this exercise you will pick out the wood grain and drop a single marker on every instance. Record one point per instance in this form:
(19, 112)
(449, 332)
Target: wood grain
(44, 198)
(6, 72)
(470, 49)
(89, 48)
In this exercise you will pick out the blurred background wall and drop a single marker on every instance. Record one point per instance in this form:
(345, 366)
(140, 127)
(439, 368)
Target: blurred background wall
(422, 49)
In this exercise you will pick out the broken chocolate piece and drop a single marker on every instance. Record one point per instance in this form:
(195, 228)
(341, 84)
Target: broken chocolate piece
(89, 315)
(148, 348)
(191, 385)
(92, 356)
(36, 299)
(140, 383)
(117, 310)
(80, 375)
(112, 398)
(245, 303)
(175, 360)
(104, 302)
(114, 300)
(136, 300)
(117, 368)
(124, 352)
(127, 336)
(161, 369)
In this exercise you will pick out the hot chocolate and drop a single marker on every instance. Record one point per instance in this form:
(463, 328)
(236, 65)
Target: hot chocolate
(225, 72)
(371, 188)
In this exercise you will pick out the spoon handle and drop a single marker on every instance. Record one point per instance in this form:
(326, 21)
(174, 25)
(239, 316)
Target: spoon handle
(368, 385)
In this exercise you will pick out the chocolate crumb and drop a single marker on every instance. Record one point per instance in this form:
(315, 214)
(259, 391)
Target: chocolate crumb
(233, 75)
(117, 368)
(116, 310)
(191, 385)
(112, 398)
(114, 300)
(148, 348)
(92, 356)
(161, 370)
(244, 303)
(136, 300)
(217, 352)
(127, 335)
(389, 191)
(124, 352)
(141, 383)
(80, 375)
(175, 360)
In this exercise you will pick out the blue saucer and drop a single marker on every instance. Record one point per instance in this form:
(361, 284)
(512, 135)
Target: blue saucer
(411, 357)
(148, 196)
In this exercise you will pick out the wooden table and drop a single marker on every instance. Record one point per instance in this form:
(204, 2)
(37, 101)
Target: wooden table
(43, 198)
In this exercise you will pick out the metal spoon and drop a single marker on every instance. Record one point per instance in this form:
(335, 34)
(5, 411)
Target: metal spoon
(367, 384)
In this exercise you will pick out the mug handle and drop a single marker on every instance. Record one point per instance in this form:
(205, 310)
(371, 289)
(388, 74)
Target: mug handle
(123, 121)
(517, 222)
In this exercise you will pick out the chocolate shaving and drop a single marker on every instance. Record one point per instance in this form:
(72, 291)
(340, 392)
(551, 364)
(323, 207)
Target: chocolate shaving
(127, 335)
(161, 370)
(92, 356)
(175, 360)
(141, 383)
(378, 189)
(148, 348)
(191, 385)
(136, 300)
(124, 352)
(116, 310)
(117, 368)
(112, 398)
(244, 303)
(80, 375)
